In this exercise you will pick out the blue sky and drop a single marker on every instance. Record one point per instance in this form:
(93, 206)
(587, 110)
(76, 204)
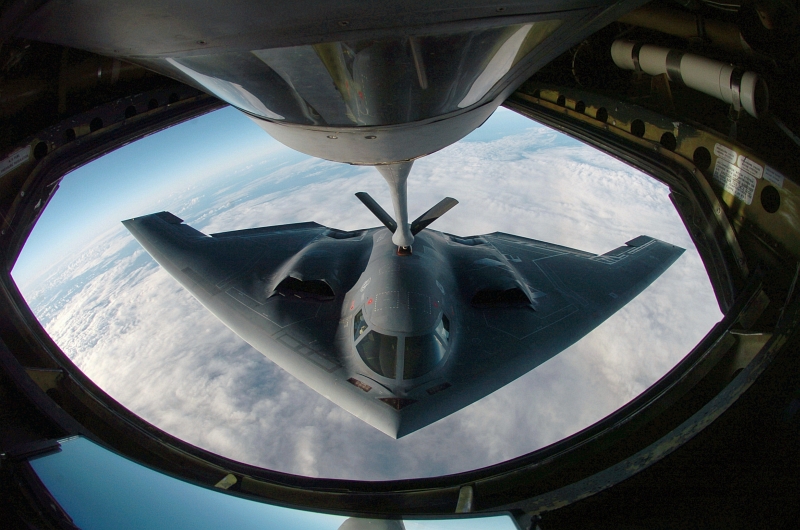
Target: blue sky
(86, 480)
(117, 186)
(125, 182)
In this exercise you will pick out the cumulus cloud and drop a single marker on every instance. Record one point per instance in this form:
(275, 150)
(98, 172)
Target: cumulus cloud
(151, 346)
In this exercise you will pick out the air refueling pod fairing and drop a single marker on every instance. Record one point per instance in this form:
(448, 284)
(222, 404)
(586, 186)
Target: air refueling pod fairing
(385, 86)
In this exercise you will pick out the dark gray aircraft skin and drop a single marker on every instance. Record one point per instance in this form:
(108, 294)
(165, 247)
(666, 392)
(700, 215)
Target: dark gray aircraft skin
(401, 340)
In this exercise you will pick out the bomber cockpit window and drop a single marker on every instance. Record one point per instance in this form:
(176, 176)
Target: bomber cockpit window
(359, 325)
(379, 352)
(422, 354)
(443, 329)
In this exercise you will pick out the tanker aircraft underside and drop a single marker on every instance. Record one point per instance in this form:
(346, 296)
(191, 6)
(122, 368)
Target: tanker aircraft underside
(399, 326)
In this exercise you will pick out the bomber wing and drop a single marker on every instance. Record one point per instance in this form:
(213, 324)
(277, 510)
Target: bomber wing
(519, 302)
(279, 288)
(525, 301)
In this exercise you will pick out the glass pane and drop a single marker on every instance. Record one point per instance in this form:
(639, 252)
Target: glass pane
(421, 355)
(492, 522)
(443, 329)
(100, 489)
(359, 325)
(142, 339)
(379, 352)
(369, 83)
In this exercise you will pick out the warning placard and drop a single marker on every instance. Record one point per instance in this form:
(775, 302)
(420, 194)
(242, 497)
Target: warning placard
(725, 153)
(15, 159)
(774, 176)
(736, 181)
(754, 168)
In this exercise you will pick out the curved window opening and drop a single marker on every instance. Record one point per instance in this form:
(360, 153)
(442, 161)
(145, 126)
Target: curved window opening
(422, 354)
(443, 329)
(379, 353)
(500, 298)
(112, 311)
(359, 325)
(471, 241)
(308, 290)
(341, 234)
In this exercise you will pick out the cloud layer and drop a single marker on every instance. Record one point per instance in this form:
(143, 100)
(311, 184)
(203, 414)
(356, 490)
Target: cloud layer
(151, 346)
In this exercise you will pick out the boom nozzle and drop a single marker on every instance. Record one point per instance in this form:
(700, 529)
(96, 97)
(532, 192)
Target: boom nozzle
(396, 176)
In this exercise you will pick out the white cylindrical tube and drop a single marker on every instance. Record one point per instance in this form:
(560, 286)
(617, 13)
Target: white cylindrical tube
(706, 75)
(622, 54)
(720, 80)
(754, 94)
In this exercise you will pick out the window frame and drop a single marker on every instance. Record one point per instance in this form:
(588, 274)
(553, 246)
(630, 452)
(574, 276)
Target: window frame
(401, 345)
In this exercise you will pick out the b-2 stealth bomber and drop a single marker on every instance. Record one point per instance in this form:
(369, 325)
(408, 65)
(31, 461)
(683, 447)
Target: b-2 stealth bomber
(401, 325)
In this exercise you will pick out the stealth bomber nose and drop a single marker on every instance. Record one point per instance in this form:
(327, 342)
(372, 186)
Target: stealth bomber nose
(405, 300)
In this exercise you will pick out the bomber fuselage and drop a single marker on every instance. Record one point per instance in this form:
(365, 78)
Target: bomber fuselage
(401, 316)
